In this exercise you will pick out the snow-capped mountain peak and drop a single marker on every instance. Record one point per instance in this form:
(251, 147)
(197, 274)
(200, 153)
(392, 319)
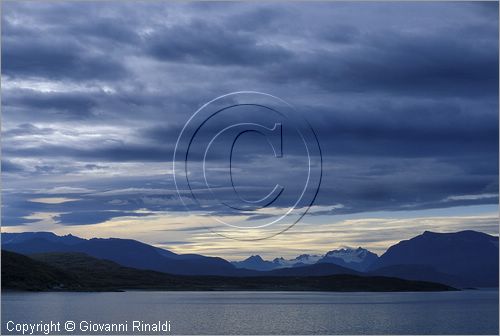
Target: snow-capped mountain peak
(307, 258)
(359, 258)
(356, 258)
(303, 259)
(349, 254)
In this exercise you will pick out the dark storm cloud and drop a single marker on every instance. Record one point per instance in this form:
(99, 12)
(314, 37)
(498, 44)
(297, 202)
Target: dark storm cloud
(403, 98)
(56, 60)
(10, 167)
(15, 209)
(35, 47)
(412, 130)
(210, 44)
(415, 188)
(109, 153)
(16, 219)
(64, 105)
(93, 217)
(116, 31)
(402, 64)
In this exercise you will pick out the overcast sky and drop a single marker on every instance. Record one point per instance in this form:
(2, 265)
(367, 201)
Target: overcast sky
(403, 98)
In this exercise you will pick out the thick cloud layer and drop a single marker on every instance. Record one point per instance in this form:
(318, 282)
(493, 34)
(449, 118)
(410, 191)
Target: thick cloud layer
(403, 98)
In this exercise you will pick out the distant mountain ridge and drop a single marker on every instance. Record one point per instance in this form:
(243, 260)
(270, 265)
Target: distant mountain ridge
(126, 252)
(470, 257)
(358, 259)
(80, 272)
(459, 259)
(256, 263)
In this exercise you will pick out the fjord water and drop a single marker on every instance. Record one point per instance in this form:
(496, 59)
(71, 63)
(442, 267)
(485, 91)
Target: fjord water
(464, 312)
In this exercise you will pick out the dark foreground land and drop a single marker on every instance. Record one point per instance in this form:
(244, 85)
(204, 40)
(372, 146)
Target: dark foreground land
(79, 272)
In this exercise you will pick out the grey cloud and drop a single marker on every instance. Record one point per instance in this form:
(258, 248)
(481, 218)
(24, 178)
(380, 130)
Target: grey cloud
(56, 60)
(107, 153)
(93, 217)
(406, 110)
(26, 130)
(206, 43)
(11, 167)
(60, 105)
(402, 64)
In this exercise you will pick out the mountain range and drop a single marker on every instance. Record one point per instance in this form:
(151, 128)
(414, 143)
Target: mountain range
(358, 259)
(68, 271)
(126, 252)
(469, 258)
(460, 259)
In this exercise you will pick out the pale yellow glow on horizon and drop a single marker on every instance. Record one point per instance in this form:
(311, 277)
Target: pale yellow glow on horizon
(185, 233)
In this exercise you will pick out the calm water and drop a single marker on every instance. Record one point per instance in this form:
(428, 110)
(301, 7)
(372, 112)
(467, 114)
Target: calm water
(466, 312)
